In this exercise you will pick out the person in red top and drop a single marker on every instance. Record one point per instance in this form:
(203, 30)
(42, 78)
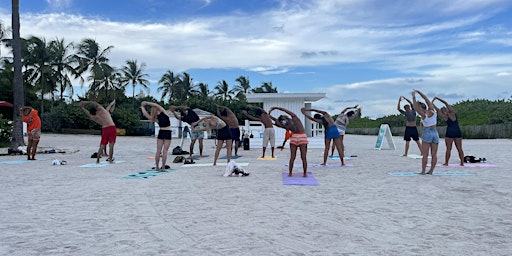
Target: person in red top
(31, 117)
(108, 129)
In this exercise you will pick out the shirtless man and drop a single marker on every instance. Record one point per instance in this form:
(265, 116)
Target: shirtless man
(108, 129)
(298, 138)
(230, 118)
(269, 135)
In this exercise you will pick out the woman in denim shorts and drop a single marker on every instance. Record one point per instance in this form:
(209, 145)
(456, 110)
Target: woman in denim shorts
(430, 137)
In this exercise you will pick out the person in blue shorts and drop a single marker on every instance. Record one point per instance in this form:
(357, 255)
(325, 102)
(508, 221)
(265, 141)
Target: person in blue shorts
(331, 131)
(430, 137)
(189, 116)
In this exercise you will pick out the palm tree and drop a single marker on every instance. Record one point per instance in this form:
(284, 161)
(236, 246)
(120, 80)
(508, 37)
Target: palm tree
(62, 64)
(92, 59)
(203, 91)
(223, 91)
(107, 81)
(242, 88)
(38, 61)
(243, 84)
(134, 74)
(168, 82)
(185, 88)
(18, 94)
(266, 87)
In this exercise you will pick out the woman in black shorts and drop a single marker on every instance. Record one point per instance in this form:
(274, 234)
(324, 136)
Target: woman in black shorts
(223, 134)
(163, 142)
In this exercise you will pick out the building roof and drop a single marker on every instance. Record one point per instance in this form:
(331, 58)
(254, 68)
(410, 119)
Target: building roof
(306, 97)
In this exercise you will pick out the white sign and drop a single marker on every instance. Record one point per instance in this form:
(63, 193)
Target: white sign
(385, 131)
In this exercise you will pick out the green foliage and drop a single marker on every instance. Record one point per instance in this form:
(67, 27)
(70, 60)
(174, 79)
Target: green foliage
(469, 112)
(5, 131)
(126, 118)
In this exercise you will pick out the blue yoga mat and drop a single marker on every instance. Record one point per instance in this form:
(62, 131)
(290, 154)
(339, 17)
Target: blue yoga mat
(22, 161)
(409, 174)
(338, 158)
(232, 157)
(146, 174)
(297, 179)
(101, 164)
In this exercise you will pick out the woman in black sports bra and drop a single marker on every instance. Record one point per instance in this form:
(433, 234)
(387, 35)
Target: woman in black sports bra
(163, 142)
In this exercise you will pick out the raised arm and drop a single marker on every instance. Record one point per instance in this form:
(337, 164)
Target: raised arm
(253, 118)
(427, 101)
(110, 108)
(416, 105)
(284, 110)
(304, 110)
(152, 104)
(82, 106)
(202, 120)
(144, 112)
(398, 107)
(173, 110)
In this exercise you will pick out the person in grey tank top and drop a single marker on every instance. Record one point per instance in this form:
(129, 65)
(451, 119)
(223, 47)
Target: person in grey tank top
(411, 130)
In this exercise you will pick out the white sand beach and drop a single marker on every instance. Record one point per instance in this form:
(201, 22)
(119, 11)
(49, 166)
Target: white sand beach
(354, 210)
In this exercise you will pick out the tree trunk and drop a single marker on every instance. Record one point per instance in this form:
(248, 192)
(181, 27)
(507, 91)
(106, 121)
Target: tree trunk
(18, 94)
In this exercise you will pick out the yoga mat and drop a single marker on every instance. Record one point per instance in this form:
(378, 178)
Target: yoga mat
(146, 174)
(211, 164)
(22, 161)
(267, 158)
(415, 156)
(409, 174)
(297, 179)
(14, 162)
(97, 165)
(468, 165)
(232, 157)
(338, 158)
(319, 165)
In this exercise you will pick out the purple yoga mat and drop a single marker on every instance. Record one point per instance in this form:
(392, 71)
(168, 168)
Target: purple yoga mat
(297, 179)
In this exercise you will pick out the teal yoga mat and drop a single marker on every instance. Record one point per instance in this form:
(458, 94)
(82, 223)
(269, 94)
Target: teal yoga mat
(22, 161)
(410, 174)
(232, 157)
(146, 174)
(101, 164)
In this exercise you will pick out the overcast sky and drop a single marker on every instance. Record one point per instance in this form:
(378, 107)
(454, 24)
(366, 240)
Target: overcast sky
(367, 52)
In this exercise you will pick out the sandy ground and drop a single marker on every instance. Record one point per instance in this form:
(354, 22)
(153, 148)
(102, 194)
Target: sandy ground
(355, 210)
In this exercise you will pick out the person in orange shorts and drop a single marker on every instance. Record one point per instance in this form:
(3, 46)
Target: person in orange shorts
(287, 136)
(298, 138)
(108, 129)
(31, 117)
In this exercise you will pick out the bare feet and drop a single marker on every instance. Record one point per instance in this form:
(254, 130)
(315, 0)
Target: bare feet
(289, 174)
(445, 164)
(305, 175)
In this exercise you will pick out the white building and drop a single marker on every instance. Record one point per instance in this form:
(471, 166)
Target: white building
(291, 101)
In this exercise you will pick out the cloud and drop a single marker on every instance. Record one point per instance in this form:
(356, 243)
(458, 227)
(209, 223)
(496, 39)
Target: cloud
(446, 48)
